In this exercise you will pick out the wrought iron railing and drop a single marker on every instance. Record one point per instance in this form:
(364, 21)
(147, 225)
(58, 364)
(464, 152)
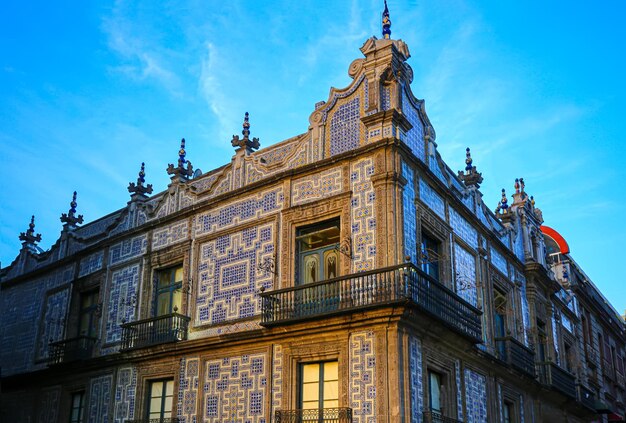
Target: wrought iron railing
(436, 417)
(516, 355)
(156, 330)
(164, 420)
(401, 283)
(586, 397)
(321, 415)
(73, 349)
(550, 374)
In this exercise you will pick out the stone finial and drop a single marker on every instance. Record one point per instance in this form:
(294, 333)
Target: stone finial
(386, 23)
(29, 237)
(245, 142)
(70, 218)
(471, 177)
(522, 184)
(139, 188)
(503, 204)
(516, 185)
(532, 201)
(181, 171)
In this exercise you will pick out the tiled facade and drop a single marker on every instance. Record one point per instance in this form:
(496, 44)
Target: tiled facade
(239, 324)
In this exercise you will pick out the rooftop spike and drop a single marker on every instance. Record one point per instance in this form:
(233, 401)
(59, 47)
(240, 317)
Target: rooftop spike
(504, 202)
(516, 185)
(181, 171)
(386, 22)
(245, 142)
(468, 160)
(139, 188)
(70, 219)
(29, 237)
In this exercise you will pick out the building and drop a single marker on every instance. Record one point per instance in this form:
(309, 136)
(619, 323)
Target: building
(346, 274)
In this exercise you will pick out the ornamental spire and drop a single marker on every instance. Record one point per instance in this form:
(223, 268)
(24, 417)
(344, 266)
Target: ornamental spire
(29, 237)
(245, 142)
(70, 219)
(386, 22)
(503, 204)
(139, 188)
(471, 177)
(181, 171)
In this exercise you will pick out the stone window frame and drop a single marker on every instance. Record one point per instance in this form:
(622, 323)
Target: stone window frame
(510, 395)
(434, 360)
(293, 218)
(439, 230)
(173, 256)
(150, 372)
(315, 351)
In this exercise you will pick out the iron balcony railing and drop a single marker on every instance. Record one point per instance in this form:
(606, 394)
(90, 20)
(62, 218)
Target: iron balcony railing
(401, 283)
(321, 415)
(156, 330)
(436, 417)
(586, 398)
(164, 420)
(551, 375)
(516, 354)
(73, 349)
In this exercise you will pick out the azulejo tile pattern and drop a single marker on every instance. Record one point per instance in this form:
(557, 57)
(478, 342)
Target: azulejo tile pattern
(252, 208)
(234, 389)
(277, 379)
(385, 100)
(432, 199)
(555, 339)
(99, 399)
(498, 260)
(362, 394)
(465, 274)
(410, 215)
(228, 274)
(316, 186)
(53, 322)
(22, 305)
(128, 249)
(125, 394)
(475, 397)
(363, 218)
(345, 127)
(463, 229)
(49, 405)
(91, 263)
(188, 389)
(169, 235)
(518, 243)
(415, 136)
(459, 387)
(122, 301)
(417, 388)
(519, 277)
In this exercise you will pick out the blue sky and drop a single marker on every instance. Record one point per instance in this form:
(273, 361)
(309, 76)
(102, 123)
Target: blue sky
(89, 90)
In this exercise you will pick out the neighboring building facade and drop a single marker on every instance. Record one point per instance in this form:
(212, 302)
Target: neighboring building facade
(343, 275)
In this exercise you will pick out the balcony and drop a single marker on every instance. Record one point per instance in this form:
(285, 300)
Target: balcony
(551, 375)
(391, 285)
(435, 417)
(322, 415)
(586, 398)
(73, 349)
(165, 420)
(156, 330)
(516, 355)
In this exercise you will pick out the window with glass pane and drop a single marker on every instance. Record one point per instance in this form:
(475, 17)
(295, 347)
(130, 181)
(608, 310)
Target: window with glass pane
(319, 385)
(87, 315)
(318, 252)
(507, 411)
(430, 256)
(76, 412)
(434, 390)
(160, 401)
(169, 284)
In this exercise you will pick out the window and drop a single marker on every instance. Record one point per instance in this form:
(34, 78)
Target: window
(541, 341)
(76, 412)
(319, 385)
(318, 252)
(160, 400)
(569, 359)
(435, 398)
(87, 315)
(430, 250)
(499, 321)
(169, 283)
(508, 412)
